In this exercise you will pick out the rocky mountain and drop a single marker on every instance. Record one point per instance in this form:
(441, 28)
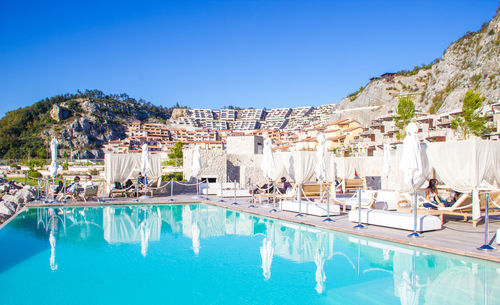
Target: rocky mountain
(471, 62)
(81, 122)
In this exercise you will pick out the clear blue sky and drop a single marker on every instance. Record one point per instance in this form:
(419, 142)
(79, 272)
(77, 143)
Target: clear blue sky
(217, 53)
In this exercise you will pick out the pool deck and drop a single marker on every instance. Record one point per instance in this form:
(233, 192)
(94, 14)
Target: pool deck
(456, 237)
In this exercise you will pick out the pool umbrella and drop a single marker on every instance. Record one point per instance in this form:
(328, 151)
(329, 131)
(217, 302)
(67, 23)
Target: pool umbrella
(145, 160)
(195, 230)
(320, 168)
(196, 166)
(411, 166)
(52, 241)
(266, 253)
(411, 159)
(319, 260)
(267, 165)
(53, 153)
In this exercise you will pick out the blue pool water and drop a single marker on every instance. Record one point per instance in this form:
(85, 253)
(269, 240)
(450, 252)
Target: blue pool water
(200, 254)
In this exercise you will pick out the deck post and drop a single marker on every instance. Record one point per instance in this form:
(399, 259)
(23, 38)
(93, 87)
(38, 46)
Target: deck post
(299, 197)
(359, 225)
(252, 204)
(327, 219)
(486, 246)
(171, 189)
(234, 194)
(274, 198)
(415, 233)
(221, 192)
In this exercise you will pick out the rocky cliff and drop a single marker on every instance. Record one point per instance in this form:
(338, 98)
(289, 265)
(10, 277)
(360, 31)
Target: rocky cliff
(81, 122)
(472, 62)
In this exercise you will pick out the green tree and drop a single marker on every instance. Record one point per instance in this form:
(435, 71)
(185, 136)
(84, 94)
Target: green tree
(405, 114)
(470, 121)
(41, 152)
(175, 154)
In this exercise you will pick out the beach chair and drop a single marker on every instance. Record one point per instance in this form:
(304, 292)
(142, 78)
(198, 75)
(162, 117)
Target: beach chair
(463, 207)
(90, 191)
(352, 185)
(158, 187)
(121, 191)
(405, 201)
(368, 198)
(74, 195)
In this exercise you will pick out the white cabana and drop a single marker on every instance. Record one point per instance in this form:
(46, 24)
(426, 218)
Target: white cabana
(467, 166)
(120, 167)
(363, 166)
(299, 165)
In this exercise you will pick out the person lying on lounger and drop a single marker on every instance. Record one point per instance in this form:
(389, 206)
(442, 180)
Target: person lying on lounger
(266, 188)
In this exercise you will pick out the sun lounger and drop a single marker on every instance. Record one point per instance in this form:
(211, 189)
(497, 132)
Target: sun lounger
(463, 206)
(90, 192)
(352, 185)
(367, 200)
(121, 192)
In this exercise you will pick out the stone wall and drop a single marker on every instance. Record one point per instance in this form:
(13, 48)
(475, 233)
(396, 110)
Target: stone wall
(213, 164)
(242, 168)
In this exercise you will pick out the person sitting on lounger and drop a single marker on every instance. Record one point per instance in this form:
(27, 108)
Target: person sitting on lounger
(141, 181)
(266, 188)
(89, 181)
(286, 185)
(74, 186)
(432, 196)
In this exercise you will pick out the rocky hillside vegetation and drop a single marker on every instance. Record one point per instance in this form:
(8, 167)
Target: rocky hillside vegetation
(82, 122)
(471, 62)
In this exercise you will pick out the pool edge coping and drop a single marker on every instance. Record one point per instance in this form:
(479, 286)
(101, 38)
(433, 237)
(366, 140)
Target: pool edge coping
(276, 216)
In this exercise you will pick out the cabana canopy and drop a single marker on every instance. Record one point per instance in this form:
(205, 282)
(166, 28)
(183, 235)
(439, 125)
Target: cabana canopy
(467, 166)
(120, 167)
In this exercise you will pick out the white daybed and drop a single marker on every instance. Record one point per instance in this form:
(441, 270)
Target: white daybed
(398, 220)
(310, 208)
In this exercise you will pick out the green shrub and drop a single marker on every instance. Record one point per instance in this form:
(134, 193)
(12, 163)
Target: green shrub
(175, 176)
(34, 174)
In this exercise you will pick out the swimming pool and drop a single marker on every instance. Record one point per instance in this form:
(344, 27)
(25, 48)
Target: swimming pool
(201, 254)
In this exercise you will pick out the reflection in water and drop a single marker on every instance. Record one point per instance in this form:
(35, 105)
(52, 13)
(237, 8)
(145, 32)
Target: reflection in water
(266, 253)
(418, 277)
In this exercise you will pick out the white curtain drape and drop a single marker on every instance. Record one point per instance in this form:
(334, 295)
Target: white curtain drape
(299, 165)
(120, 167)
(467, 166)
